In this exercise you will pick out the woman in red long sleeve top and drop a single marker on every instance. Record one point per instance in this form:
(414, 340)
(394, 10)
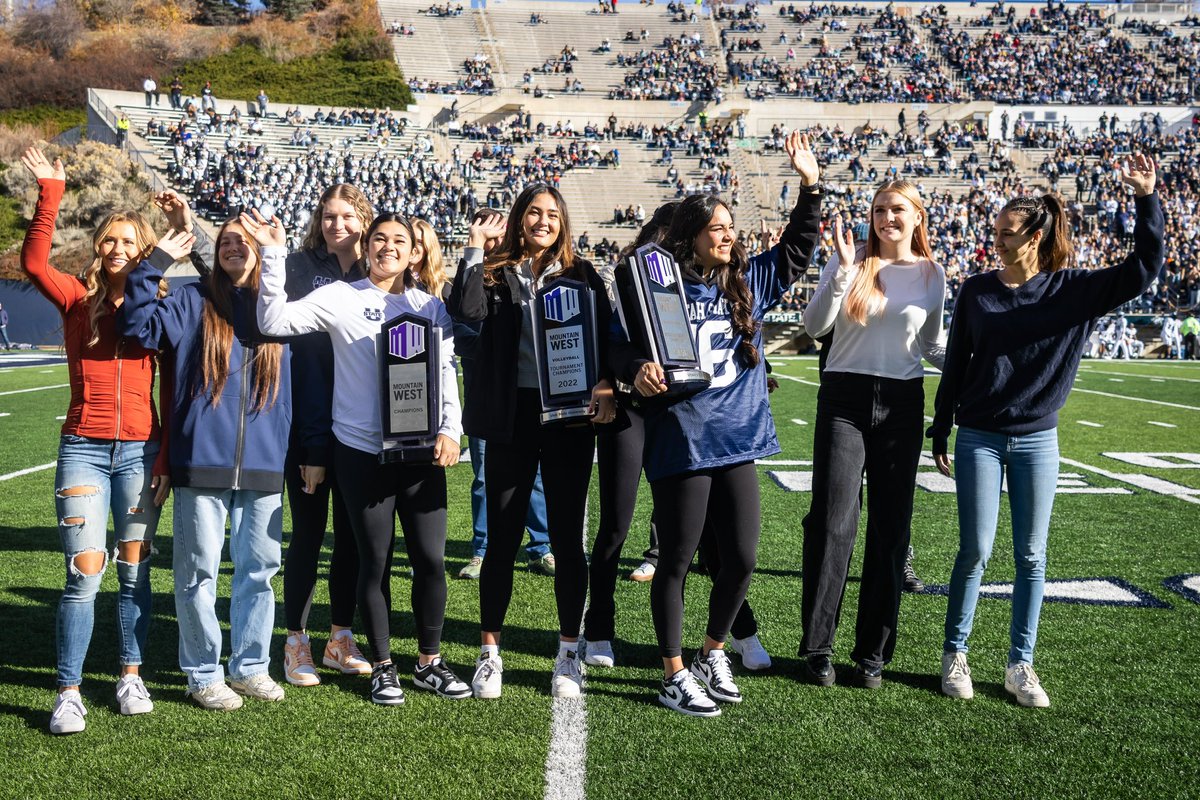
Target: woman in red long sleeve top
(110, 441)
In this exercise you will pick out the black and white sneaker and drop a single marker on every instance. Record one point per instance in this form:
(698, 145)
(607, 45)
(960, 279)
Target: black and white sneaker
(681, 693)
(713, 671)
(437, 677)
(385, 686)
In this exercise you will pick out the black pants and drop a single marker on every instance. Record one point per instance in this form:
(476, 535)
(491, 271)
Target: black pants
(872, 424)
(729, 497)
(310, 517)
(619, 457)
(375, 495)
(565, 455)
(744, 624)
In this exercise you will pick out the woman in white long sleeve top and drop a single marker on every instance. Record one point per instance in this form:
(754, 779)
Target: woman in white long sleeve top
(886, 304)
(352, 314)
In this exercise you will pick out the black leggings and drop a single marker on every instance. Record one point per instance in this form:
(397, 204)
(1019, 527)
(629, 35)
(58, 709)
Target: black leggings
(375, 494)
(565, 455)
(619, 456)
(310, 516)
(729, 496)
(744, 624)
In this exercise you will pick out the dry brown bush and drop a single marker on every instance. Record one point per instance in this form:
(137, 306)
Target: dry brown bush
(279, 39)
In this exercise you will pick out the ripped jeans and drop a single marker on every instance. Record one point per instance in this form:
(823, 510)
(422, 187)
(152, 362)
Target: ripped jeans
(93, 477)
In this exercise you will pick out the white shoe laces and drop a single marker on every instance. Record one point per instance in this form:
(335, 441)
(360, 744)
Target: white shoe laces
(133, 689)
(1025, 678)
(486, 669)
(69, 704)
(958, 668)
(691, 691)
(565, 666)
(718, 664)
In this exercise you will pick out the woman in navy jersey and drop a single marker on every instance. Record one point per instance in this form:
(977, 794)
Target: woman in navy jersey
(1015, 343)
(700, 452)
(885, 302)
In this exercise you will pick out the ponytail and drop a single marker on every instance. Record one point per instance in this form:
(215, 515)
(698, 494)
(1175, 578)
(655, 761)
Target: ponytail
(1048, 215)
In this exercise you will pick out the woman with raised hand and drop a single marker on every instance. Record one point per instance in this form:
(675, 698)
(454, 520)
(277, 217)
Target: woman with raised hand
(504, 406)
(230, 414)
(110, 445)
(332, 252)
(375, 494)
(1015, 343)
(886, 303)
(700, 451)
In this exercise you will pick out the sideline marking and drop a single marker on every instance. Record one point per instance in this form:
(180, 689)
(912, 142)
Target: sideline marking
(1089, 424)
(797, 380)
(35, 389)
(1161, 424)
(1186, 585)
(1085, 591)
(5, 414)
(1098, 372)
(799, 422)
(1158, 460)
(566, 760)
(1137, 399)
(1117, 380)
(29, 471)
(1151, 484)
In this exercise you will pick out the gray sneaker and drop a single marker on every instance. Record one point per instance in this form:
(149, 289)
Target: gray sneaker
(259, 686)
(216, 697)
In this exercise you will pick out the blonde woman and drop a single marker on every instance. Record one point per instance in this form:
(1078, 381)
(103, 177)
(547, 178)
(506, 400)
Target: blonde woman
(430, 271)
(110, 441)
(886, 302)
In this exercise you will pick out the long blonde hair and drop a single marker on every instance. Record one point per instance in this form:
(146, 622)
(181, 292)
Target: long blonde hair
(314, 238)
(217, 339)
(95, 277)
(866, 291)
(431, 272)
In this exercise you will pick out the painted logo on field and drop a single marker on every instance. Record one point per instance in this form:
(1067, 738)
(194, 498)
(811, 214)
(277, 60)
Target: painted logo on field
(660, 269)
(406, 340)
(561, 304)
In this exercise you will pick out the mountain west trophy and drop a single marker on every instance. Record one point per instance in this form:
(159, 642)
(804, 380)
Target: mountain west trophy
(410, 388)
(653, 309)
(565, 344)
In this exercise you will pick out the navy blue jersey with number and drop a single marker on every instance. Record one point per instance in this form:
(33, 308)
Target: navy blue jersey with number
(730, 422)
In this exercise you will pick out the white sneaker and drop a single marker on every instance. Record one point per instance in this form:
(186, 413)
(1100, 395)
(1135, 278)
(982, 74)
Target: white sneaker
(216, 697)
(713, 671)
(567, 680)
(68, 713)
(683, 694)
(754, 655)
(259, 686)
(956, 676)
(132, 696)
(488, 679)
(644, 572)
(598, 654)
(1022, 683)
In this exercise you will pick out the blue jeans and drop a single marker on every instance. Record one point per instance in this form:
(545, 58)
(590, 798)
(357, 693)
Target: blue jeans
(981, 460)
(535, 520)
(93, 477)
(255, 543)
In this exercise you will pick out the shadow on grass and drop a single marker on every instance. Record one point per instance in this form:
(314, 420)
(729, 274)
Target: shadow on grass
(30, 540)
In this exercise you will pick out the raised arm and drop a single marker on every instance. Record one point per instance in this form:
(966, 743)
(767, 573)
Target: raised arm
(159, 323)
(821, 312)
(799, 239)
(61, 290)
(276, 316)
(468, 296)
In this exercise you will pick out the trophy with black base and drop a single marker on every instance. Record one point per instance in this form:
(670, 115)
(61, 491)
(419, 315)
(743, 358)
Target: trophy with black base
(567, 351)
(654, 311)
(410, 370)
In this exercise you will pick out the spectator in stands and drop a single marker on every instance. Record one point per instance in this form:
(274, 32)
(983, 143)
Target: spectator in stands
(8, 345)
(150, 87)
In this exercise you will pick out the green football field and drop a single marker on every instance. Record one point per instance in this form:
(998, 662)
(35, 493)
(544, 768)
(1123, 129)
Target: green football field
(1121, 667)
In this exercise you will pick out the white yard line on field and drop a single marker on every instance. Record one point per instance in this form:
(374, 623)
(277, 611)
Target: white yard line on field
(1137, 399)
(799, 422)
(797, 380)
(1147, 482)
(29, 471)
(1089, 424)
(566, 760)
(35, 389)
(1136, 375)
(1161, 424)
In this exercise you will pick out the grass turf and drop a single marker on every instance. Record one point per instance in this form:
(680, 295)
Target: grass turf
(1123, 719)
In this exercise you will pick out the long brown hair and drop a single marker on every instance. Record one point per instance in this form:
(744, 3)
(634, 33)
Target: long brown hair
(511, 249)
(431, 272)
(866, 291)
(95, 277)
(1048, 215)
(218, 332)
(691, 217)
(314, 238)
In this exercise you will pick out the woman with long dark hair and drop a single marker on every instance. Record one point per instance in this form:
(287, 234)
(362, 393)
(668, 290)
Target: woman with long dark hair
(886, 302)
(503, 406)
(700, 451)
(1015, 343)
(230, 415)
(332, 251)
(109, 455)
(375, 493)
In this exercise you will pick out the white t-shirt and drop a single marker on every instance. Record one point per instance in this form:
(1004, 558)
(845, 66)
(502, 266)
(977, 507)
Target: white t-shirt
(904, 327)
(352, 314)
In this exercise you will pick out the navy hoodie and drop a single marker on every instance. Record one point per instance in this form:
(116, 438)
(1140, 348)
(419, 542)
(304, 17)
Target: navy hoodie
(224, 446)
